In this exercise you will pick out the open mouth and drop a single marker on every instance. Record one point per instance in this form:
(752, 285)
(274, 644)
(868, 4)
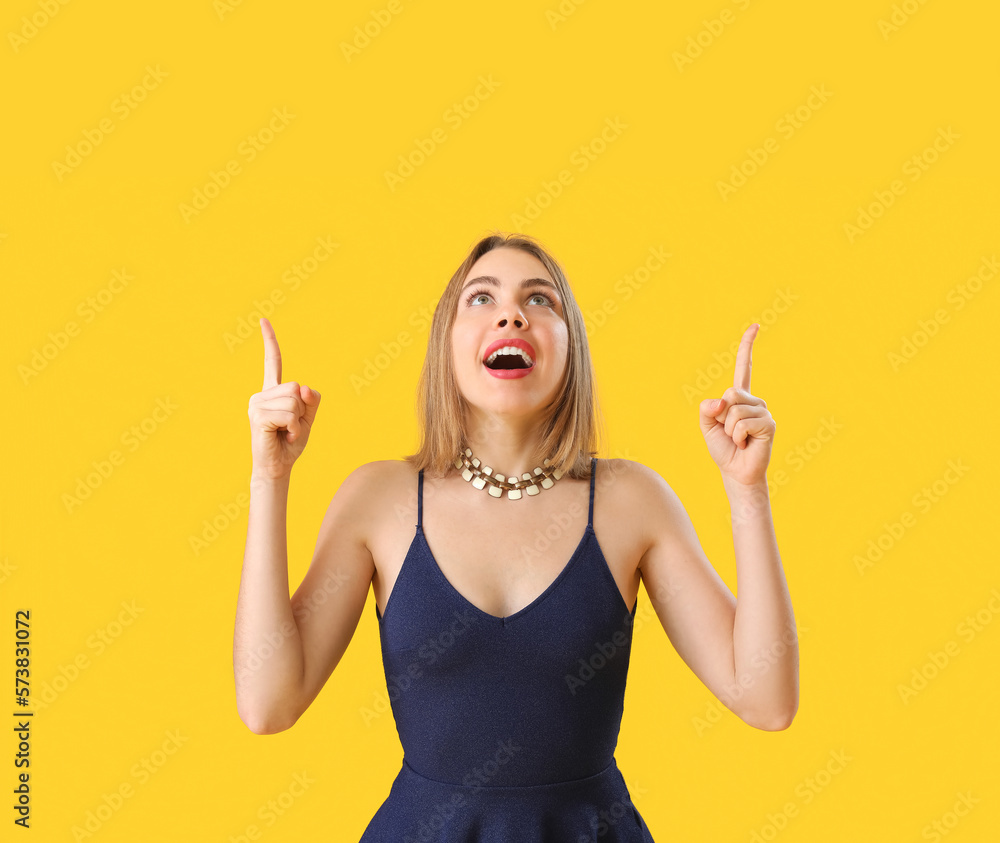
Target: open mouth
(509, 358)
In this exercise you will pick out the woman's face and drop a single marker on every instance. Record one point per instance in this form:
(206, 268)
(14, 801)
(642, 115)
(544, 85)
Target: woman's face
(509, 296)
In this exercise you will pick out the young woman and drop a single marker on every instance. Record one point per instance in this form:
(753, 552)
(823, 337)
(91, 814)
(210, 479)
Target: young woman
(506, 664)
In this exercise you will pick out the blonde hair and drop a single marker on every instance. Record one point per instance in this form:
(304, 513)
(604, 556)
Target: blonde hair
(569, 427)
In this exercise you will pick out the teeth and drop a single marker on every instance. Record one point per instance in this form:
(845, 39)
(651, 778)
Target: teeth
(510, 349)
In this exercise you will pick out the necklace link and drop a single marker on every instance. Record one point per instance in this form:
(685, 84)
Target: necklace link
(482, 476)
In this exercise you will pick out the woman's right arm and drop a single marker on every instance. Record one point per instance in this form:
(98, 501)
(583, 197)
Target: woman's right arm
(284, 649)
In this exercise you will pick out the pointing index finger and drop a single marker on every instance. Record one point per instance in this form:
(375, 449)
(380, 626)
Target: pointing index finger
(272, 355)
(741, 379)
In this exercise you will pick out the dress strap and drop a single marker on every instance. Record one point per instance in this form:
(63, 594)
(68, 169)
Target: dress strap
(593, 472)
(420, 498)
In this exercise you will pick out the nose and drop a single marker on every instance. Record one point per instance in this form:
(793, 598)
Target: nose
(517, 318)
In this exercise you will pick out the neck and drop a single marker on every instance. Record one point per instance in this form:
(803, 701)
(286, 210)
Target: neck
(508, 445)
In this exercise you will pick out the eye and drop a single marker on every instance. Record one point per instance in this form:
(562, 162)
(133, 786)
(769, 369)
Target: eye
(475, 294)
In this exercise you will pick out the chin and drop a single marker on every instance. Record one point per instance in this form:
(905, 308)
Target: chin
(520, 405)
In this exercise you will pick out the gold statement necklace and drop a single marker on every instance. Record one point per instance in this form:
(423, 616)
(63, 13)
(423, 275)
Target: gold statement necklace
(496, 484)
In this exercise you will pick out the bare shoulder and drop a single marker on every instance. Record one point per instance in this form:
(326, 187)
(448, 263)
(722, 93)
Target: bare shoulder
(375, 490)
(639, 497)
(376, 479)
(631, 484)
(381, 471)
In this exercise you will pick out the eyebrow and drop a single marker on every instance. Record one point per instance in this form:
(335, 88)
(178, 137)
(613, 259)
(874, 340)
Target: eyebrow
(527, 282)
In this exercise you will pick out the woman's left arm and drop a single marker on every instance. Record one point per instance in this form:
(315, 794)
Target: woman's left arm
(739, 431)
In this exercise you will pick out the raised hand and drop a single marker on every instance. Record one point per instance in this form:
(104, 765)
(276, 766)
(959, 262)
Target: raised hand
(738, 428)
(281, 414)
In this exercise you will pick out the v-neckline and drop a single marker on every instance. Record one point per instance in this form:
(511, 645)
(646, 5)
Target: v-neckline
(587, 532)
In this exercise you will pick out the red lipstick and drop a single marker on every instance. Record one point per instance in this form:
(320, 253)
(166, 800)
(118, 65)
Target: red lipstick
(506, 374)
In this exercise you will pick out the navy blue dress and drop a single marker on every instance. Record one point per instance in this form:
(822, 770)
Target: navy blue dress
(508, 725)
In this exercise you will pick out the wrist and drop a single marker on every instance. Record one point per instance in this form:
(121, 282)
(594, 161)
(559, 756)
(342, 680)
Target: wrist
(735, 487)
(263, 479)
(747, 501)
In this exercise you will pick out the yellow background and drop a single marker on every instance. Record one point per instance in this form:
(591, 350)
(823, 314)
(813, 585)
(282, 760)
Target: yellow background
(824, 361)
